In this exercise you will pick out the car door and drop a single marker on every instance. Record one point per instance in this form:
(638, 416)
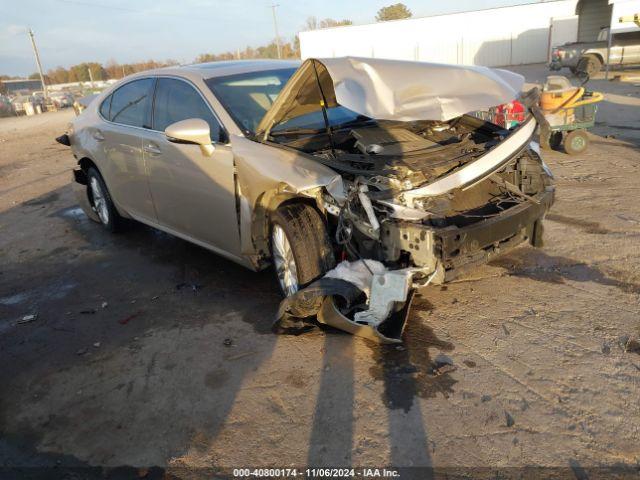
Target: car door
(127, 112)
(194, 194)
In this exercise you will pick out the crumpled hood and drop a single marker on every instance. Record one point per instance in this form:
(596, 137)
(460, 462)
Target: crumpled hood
(406, 91)
(391, 90)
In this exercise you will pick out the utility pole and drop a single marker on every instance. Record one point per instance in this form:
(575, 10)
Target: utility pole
(90, 76)
(35, 52)
(275, 27)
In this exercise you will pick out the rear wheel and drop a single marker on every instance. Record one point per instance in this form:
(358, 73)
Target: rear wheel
(589, 64)
(101, 201)
(300, 247)
(576, 142)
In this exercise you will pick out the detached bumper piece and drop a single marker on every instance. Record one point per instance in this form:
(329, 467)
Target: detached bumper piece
(342, 303)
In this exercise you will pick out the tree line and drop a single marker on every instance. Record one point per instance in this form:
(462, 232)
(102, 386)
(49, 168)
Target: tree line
(86, 71)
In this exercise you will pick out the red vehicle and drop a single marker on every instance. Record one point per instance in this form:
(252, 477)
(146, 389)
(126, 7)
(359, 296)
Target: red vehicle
(509, 114)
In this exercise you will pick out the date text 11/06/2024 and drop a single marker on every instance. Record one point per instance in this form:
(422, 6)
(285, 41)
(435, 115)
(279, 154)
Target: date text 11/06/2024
(316, 473)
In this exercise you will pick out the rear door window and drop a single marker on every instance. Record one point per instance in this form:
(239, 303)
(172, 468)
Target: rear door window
(176, 100)
(131, 103)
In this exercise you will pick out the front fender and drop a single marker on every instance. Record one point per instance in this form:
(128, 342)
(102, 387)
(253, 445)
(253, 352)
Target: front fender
(267, 176)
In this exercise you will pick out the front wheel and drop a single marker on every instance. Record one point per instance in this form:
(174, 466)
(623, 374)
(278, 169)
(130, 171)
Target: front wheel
(300, 247)
(101, 201)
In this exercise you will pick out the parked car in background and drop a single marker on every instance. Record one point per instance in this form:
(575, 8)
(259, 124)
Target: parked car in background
(6, 109)
(589, 57)
(61, 99)
(17, 104)
(83, 102)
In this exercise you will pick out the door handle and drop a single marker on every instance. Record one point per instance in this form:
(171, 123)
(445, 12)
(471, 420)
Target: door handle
(152, 148)
(97, 135)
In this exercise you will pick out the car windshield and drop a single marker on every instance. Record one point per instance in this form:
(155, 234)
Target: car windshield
(248, 96)
(337, 116)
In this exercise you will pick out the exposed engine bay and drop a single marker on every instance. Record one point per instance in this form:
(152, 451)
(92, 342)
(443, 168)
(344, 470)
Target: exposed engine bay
(399, 155)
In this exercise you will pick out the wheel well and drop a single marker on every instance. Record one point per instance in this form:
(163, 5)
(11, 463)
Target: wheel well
(594, 54)
(306, 200)
(261, 225)
(86, 163)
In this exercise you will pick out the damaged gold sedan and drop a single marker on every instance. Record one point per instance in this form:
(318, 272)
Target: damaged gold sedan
(384, 165)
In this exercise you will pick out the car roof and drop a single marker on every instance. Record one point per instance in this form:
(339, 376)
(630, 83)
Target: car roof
(224, 68)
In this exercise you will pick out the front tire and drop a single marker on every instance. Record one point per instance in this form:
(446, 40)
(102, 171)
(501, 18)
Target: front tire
(300, 247)
(101, 202)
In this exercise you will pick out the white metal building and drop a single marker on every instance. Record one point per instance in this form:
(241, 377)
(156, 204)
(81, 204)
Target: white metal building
(494, 37)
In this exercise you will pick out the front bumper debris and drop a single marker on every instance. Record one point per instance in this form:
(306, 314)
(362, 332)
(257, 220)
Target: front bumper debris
(454, 249)
(338, 299)
(463, 248)
(387, 332)
(366, 299)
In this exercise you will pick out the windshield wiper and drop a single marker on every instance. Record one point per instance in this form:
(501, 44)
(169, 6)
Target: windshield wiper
(296, 131)
(311, 131)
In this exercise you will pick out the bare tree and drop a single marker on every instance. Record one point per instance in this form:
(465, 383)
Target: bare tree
(313, 23)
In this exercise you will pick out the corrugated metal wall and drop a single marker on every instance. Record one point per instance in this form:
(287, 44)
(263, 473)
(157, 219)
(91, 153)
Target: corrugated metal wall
(594, 14)
(496, 37)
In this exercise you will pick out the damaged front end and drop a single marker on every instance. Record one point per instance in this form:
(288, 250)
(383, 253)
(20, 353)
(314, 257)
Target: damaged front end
(426, 195)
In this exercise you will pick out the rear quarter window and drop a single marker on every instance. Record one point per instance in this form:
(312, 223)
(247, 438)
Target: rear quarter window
(105, 107)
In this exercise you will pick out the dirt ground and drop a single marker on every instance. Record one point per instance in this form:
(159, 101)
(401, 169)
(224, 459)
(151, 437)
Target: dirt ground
(148, 351)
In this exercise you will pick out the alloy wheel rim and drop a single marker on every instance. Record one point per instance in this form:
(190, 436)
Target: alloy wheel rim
(99, 201)
(284, 261)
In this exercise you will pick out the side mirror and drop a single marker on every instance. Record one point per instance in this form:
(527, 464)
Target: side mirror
(191, 130)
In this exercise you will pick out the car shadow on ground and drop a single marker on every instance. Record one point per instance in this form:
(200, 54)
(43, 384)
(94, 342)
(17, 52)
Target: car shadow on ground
(99, 299)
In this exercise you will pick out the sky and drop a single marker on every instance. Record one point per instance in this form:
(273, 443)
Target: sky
(72, 31)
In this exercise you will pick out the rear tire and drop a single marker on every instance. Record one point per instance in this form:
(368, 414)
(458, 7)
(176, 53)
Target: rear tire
(576, 142)
(101, 202)
(589, 64)
(300, 247)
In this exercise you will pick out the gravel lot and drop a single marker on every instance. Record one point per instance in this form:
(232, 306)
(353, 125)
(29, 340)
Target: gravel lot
(148, 351)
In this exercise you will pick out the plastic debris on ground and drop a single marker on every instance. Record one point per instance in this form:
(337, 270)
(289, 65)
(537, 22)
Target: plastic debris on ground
(28, 318)
(363, 298)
